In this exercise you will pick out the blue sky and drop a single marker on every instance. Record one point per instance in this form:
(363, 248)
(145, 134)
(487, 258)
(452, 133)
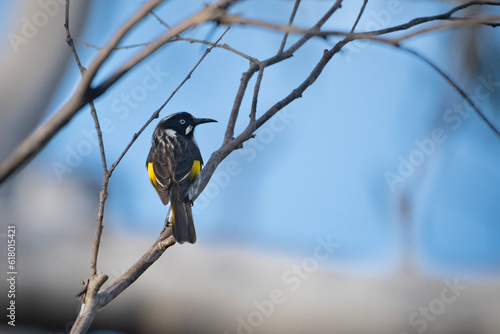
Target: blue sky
(319, 168)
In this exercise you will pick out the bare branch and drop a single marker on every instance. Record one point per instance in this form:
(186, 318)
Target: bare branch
(369, 35)
(253, 111)
(462, 22)
(222, 46)
(94, 300)
(361, 11)
(123, 47)
(245, 78)
(176, 39)
(425, 19)
(90, 304)
(457, 88)
(164, 241)
(290, 21)
(160, 20)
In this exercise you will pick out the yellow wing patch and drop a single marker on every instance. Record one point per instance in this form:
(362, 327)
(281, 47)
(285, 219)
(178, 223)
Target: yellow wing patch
(151, 173)
(195, 170)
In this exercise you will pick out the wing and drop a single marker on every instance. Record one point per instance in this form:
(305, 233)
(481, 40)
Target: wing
(188, 164)
(160, 165)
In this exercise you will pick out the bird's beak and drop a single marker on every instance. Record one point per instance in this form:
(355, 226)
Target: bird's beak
(199, 121)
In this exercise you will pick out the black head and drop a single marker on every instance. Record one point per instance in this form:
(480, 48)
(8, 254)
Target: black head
(183, 123)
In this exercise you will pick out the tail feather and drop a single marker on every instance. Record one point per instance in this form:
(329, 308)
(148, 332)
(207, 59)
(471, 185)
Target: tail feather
(182, 221)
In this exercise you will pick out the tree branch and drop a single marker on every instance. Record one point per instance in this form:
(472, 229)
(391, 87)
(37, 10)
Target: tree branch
(457, 88)
(245, 78)
(253, 110)
(361, 11)
(176, 39)
(290, 21)
(164, 241)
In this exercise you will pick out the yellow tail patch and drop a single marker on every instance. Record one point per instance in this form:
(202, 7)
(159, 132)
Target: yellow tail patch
(151, 173)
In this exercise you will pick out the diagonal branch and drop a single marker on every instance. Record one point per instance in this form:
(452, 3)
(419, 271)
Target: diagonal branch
(463, 22)
(164, 241)
(245, 78)
(425, 19)
(457, 88)
(361, 11)
(290, 21)
(187, 39)
(253, 110)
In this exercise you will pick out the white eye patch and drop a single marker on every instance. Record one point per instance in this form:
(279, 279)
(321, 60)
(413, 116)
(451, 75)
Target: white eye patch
(182, 121)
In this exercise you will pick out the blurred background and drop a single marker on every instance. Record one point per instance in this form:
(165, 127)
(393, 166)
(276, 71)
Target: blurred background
(370, 205)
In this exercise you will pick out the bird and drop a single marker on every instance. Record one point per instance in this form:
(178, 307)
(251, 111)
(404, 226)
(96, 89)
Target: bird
(173, 164)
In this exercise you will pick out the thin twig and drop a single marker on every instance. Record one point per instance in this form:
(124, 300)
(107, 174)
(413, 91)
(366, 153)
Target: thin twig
(456, 86)
(290, 21)
(369, 35)
(160, 20)
(425, 19)
(104, 189)
(361, 11)
(256, 90)
(245, 78)
(462, 22)
(176, 39)
(122, 47)
(222, 46)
